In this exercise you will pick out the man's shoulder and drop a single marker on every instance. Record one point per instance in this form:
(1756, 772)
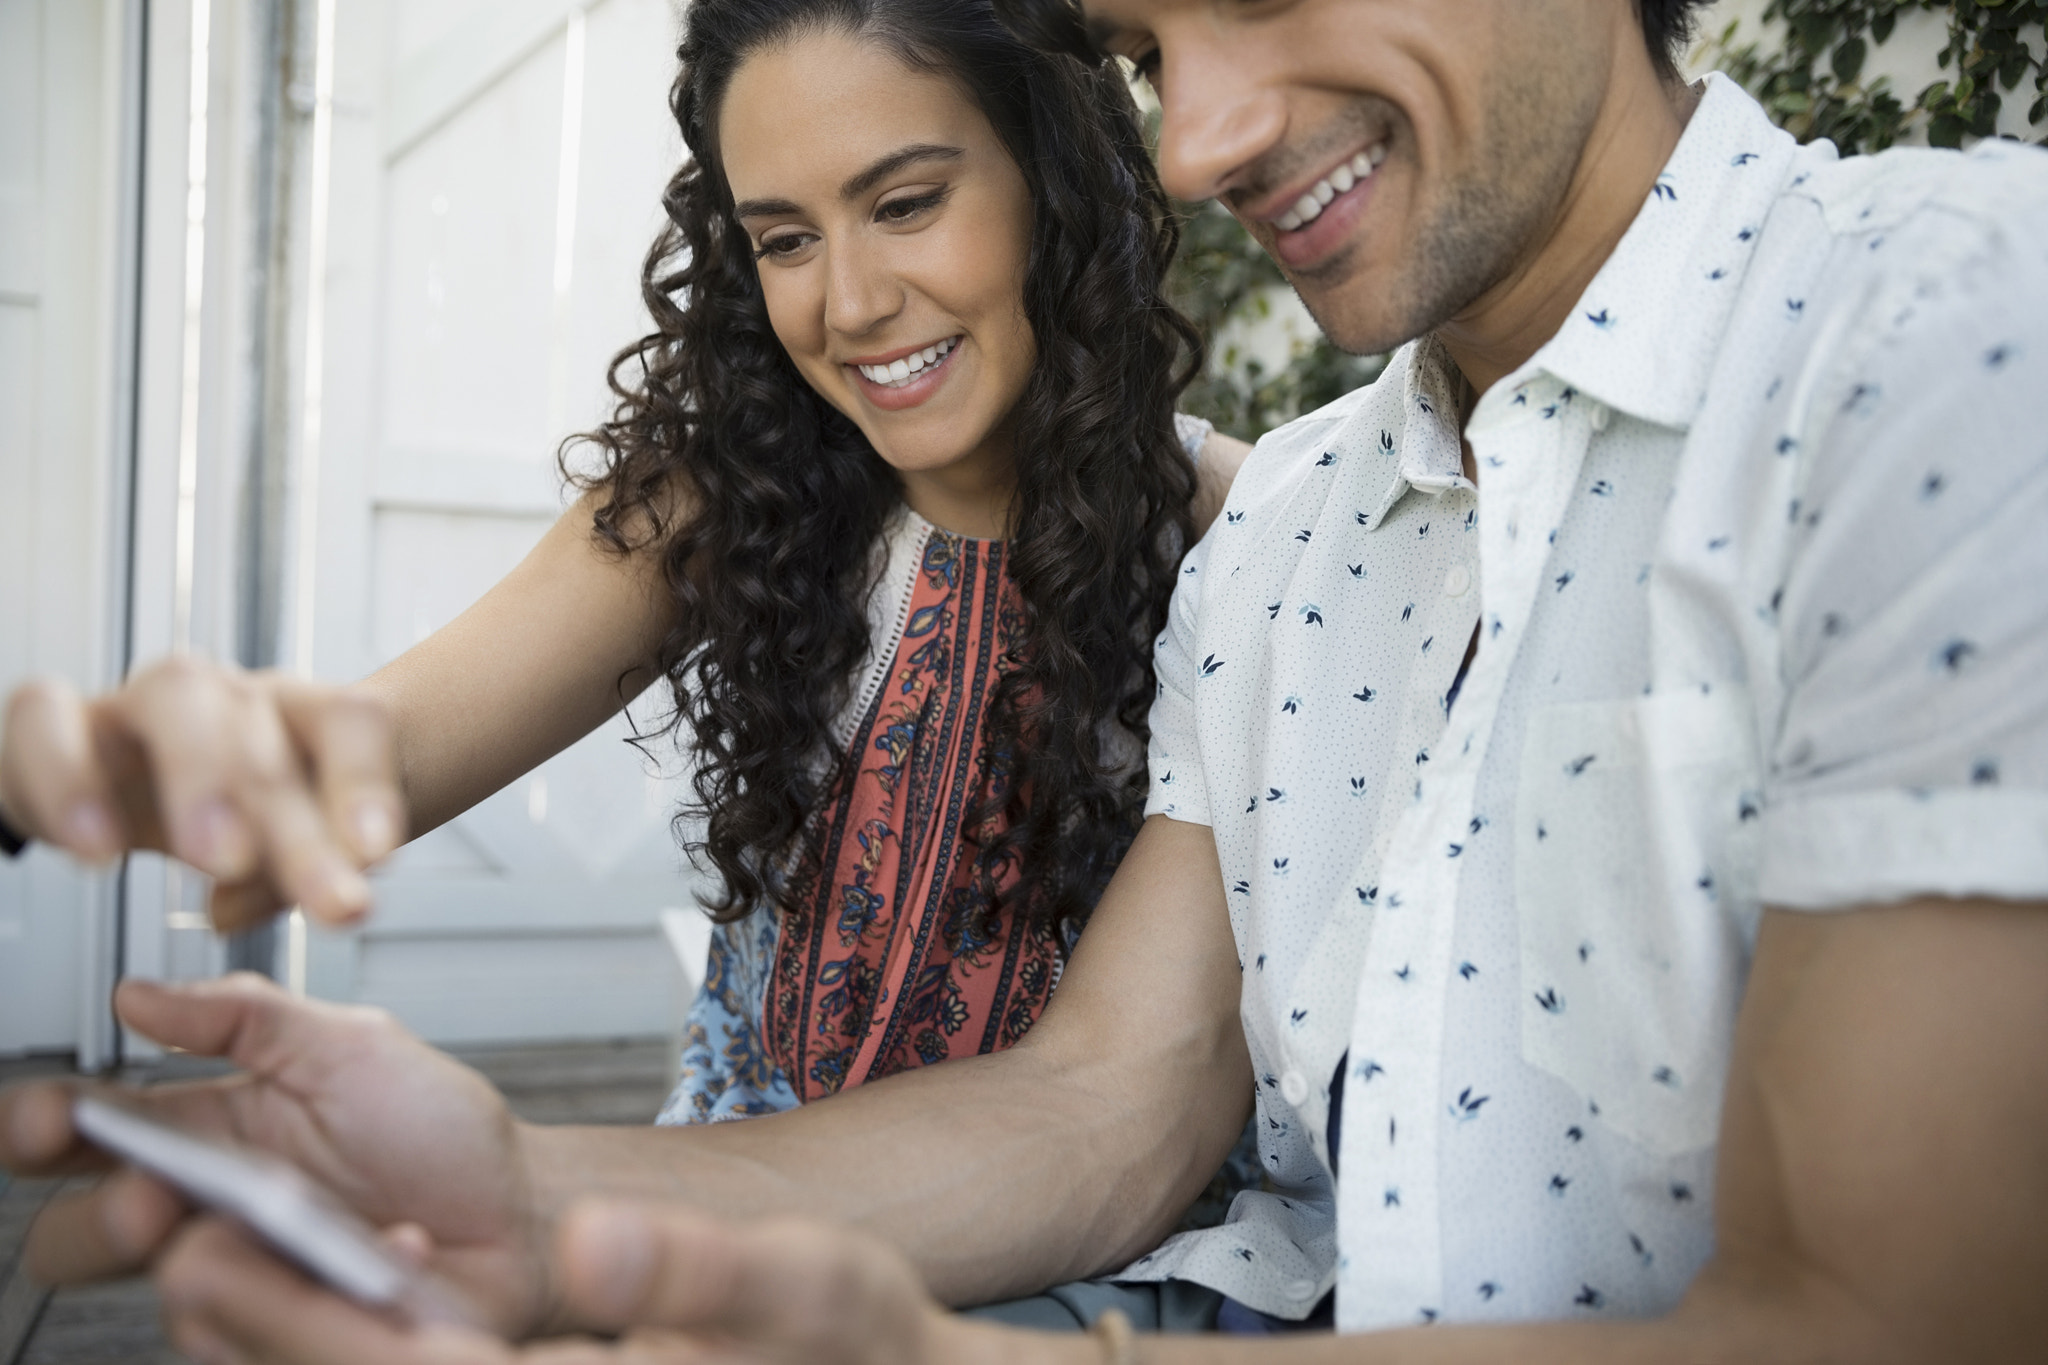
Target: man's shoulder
(1908, 254)
(1994, 196)
(1283, 458)
(1311, 431)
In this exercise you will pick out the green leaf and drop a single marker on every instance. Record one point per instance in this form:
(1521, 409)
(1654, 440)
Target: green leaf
(1848, 61)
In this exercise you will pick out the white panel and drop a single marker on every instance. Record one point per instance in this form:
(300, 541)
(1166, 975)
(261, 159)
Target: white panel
(40, 902)
(508, 988)
(630, 148)
(450, 52)
(21, 131)
(56, 92)
(18, 510)
(418, 25)
(469, 220)
(478, 336)
(432, 565)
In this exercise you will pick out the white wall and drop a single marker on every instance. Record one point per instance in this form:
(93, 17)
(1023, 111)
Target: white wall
(60, 158)
(486, 205)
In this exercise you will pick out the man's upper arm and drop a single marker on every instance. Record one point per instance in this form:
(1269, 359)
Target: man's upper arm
(1885, 1136)
(1884, 1149)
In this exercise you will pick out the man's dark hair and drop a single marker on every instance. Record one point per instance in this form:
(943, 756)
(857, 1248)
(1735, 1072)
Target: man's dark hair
(1667, 28)
(1059, 26)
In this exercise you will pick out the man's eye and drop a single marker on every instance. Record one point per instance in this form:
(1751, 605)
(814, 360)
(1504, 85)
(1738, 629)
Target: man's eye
(1147, 64)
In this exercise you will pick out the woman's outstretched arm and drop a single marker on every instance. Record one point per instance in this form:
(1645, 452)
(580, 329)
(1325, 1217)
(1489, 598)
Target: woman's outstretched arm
(283, 790)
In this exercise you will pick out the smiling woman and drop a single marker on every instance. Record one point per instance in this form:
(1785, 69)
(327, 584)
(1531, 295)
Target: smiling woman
(892, 228)
(903, 444)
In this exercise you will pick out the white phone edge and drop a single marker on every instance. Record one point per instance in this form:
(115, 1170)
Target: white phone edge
(278, 1203)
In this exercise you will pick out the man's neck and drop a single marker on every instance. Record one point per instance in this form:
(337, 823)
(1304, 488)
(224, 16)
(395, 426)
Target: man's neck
(1637, 129)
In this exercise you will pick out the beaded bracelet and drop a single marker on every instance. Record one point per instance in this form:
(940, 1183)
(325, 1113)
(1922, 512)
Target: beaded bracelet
(1119, 1340)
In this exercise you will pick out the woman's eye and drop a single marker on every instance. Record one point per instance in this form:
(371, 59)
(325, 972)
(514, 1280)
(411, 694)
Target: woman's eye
(781, 248)
(903, 210)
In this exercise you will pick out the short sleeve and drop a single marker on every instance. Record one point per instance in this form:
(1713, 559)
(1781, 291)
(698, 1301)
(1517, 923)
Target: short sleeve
(1193, 433)
(1911, 755)
(1174, 752)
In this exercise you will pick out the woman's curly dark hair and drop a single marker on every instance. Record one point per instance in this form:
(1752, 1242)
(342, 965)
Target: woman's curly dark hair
(766, 505)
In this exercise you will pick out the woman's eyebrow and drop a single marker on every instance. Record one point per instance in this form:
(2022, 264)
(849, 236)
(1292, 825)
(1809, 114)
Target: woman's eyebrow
(859, 184)
(765, 208)
(895, 161)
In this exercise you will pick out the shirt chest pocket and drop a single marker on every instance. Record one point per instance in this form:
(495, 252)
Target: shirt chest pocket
(1635, 887)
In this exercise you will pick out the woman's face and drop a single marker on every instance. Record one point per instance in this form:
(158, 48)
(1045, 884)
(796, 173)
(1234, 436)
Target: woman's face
(891, 231)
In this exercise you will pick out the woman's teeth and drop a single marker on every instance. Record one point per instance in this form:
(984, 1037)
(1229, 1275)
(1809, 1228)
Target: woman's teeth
(898, 372)
(1310, 206)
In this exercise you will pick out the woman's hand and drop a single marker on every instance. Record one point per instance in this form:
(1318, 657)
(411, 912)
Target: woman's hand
(282, 790)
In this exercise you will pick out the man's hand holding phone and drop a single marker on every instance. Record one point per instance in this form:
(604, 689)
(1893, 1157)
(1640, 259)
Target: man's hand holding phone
(407, 1137)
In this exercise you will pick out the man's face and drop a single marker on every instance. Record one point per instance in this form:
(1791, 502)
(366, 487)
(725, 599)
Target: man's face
(1398, 158)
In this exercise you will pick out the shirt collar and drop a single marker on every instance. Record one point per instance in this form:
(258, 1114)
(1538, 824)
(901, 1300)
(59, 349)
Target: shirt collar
(1644, 336)
(1426, 451)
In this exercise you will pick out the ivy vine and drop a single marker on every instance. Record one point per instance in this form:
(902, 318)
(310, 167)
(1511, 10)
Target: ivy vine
(1810, 77)
(1813, 84)
(1223, 275)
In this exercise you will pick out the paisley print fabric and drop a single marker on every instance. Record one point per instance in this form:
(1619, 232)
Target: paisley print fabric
(889, 956)
(726, 1072)
(915, 717)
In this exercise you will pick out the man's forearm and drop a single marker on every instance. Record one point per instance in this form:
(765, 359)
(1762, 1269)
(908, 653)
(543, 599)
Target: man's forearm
(1071, 1153)
(996, 1175)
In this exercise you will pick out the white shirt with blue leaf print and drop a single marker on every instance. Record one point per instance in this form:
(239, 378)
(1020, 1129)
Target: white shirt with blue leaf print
(1758, 563)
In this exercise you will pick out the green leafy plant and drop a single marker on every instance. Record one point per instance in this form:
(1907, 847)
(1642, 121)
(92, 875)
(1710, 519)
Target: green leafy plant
(1814, 86)
(1222, 276)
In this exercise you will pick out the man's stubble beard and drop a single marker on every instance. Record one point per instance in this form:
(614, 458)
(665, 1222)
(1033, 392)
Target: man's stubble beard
(1489, 221)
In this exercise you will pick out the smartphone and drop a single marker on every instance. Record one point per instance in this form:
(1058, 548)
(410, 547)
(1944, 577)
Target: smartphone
(277, 1202)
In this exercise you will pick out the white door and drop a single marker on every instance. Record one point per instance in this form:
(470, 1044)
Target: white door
(495, 180)
(64, 82)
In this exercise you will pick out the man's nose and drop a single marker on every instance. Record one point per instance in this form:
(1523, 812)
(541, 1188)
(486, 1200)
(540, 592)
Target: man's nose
(1215, 119)
(860, 292)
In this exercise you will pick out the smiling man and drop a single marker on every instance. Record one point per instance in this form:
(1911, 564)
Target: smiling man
(1600, 803)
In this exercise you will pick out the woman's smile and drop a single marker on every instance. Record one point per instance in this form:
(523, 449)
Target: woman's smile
(904, 378)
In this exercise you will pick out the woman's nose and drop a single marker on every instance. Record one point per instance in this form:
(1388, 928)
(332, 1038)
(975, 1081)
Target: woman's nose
(860, 291)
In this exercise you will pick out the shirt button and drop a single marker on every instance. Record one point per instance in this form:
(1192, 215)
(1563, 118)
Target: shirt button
(1301, 1290)
(1293, 1087)
(1458, 581)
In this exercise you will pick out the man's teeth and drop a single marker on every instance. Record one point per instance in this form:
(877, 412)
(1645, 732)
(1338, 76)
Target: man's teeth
(898, 372)
(1310, 206)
